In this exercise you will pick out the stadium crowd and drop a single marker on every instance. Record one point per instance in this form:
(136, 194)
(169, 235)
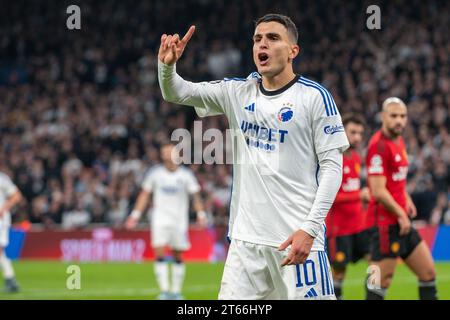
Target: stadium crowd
(82, 116)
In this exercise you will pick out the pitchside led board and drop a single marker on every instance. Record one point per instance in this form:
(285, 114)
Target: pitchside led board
(104, 244)
(112, 245)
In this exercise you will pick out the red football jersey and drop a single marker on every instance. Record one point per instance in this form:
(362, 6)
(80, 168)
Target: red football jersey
(388, 158)
(346, 216)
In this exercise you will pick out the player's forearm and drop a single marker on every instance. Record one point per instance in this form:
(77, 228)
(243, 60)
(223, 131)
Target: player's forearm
(209, 98)
(330, 181)
(141, 204)
(198, 206)
(197, 203)
(408, 198)
(12, 201)
(383, 196)
(173, 87)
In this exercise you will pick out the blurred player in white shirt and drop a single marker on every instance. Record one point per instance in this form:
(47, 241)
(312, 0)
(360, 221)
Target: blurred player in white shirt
(287, 155)
(171, 186)
(10, 196)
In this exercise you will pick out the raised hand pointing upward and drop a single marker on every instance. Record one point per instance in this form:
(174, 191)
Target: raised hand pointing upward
(172, 46)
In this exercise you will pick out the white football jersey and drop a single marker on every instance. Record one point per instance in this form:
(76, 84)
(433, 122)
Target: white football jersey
(171, 191)
(276, 138)
(7, 189)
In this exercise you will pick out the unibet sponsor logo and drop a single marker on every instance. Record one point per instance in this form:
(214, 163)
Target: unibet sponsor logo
(170, 189)
(262, 137)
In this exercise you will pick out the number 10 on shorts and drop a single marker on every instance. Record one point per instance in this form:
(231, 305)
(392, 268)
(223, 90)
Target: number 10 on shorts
(307, 271)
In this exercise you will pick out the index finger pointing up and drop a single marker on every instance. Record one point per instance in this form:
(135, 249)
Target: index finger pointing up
(188, 34)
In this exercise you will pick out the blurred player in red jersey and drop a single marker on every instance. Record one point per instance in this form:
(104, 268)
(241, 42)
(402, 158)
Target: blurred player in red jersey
(391, 207)
(347, 237)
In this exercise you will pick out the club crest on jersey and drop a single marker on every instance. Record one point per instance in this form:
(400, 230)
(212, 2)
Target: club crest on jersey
(286, 113)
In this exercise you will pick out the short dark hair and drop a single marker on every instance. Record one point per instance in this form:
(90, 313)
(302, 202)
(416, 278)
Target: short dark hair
(282, 19)
(354, 118)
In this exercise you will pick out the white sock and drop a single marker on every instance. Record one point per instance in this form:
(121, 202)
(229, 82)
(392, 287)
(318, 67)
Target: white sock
(178, 271)
(162, 275)
(8, 271)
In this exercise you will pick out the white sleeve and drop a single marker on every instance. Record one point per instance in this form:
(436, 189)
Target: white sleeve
(192, 184)
(328, 129)
(9, 188)
(330, 179)
(147, 184)
(208, 98)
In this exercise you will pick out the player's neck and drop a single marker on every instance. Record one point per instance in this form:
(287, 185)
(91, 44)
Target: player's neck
(171, 167)
(385, 132)
(278, 81)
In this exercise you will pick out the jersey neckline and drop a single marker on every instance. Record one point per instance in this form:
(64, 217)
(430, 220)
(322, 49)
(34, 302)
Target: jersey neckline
(395, 141)
(278, 91)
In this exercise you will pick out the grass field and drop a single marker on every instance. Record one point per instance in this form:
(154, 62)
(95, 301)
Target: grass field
(47, 280)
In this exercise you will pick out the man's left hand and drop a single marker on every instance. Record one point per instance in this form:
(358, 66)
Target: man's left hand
(301, 243)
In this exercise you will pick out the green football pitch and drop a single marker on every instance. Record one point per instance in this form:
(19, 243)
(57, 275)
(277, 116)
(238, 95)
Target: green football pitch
(48, 280)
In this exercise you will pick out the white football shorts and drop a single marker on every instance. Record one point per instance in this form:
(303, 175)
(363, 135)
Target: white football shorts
(172, 236)
(5, 224)
(254, 272)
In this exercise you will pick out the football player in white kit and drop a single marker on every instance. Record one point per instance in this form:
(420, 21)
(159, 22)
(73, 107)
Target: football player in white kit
(171, 186)
(287, 163)
(10, 196)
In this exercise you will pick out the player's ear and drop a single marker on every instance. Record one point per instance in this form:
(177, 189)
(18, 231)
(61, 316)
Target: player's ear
(295, 50)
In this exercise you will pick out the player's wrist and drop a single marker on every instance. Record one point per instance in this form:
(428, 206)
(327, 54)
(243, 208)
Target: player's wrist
(401, 213)
(166, 66)
(201, 214)
(136, 214)
(310, 228)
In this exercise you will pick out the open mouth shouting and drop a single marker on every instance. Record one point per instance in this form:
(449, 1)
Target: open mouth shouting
(263, 58)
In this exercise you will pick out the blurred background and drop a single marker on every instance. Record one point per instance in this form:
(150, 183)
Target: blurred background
(82, 117)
